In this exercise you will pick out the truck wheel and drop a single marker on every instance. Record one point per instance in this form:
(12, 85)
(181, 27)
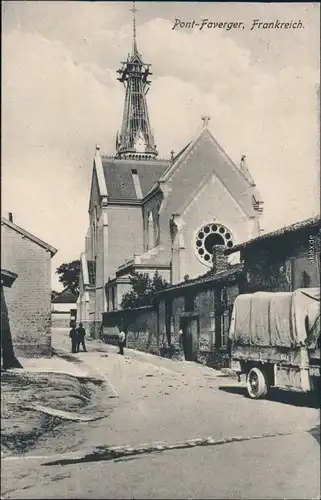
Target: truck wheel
(256, 384)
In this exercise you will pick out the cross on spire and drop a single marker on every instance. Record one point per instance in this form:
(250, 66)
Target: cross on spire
(134, 10)
(205, 120)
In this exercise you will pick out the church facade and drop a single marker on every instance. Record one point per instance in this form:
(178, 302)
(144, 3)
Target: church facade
(148, 214)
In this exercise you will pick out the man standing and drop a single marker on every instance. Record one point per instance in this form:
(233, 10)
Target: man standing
(121, 341)
(81, 332)
(73, 334)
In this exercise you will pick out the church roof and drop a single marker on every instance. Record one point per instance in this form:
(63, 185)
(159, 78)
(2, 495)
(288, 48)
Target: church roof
(225, 169)
(119, 177)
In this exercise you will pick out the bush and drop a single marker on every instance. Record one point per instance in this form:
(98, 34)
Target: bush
(144, 290)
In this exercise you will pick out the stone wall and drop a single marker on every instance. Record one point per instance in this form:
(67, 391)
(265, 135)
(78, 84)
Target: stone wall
(29, 299)
(280, 265)
(140, 326)
(205, 308)
(203, 296)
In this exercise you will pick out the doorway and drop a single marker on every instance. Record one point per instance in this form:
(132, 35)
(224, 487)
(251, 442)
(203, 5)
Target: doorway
(190, 328)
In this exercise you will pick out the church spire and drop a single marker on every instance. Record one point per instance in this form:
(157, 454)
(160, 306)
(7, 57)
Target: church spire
(134, 10)
(136, 138)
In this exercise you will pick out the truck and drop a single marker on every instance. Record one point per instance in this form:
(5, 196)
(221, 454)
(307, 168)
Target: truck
(274, 340)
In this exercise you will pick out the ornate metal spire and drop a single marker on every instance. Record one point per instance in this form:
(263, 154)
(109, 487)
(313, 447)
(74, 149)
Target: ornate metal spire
(136, 138)
(134, 10)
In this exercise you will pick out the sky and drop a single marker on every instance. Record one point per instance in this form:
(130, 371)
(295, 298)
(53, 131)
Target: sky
(61, 97)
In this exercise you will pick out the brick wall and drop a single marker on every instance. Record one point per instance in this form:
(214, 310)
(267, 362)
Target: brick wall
(140, 326)
(29, 299)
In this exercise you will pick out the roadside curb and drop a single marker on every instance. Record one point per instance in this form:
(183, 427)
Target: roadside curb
(117, 452)
(92, 374)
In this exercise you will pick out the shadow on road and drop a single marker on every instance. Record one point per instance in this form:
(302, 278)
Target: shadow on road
(300, 399)
(315, 432)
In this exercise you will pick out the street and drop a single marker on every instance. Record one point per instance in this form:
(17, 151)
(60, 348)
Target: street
(257, 449)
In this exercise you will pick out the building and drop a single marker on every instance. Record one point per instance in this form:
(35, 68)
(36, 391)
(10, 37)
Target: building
(192, 318)
(29, 300)
(148, 214)
(282, 260)
(8, 358)
(62, 306)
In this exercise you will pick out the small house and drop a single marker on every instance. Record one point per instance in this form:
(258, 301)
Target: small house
(63, 307)
(29, 301)
(282, 260)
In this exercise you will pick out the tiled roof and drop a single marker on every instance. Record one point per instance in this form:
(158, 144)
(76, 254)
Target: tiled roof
(30, 236)
(209, 277)
(119, 179)
(65, 297)
(297, 226)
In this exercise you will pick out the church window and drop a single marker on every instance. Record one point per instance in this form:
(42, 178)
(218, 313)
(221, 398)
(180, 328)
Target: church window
(209, 236)
(136, 181)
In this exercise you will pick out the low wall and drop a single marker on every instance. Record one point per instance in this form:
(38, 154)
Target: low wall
(60, 319)
(140, 326)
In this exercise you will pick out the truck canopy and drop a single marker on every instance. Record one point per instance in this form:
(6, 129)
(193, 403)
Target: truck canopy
(284, 319)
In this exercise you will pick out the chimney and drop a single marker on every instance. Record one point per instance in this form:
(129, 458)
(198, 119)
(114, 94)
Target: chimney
(220, 262)
(10, 217)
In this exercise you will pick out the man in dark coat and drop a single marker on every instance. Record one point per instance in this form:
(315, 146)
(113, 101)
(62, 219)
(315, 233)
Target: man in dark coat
(73, 334)
(81, 332)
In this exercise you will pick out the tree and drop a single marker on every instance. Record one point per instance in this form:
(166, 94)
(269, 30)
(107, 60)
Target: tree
(69, 276)
(144, 290)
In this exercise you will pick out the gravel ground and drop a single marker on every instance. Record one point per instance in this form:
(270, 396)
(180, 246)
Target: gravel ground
(23, 428)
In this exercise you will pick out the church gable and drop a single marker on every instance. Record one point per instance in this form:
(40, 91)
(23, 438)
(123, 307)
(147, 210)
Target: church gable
(203, 157)
(212, 217)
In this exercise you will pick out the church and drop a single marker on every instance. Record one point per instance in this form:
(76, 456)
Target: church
(148, 214)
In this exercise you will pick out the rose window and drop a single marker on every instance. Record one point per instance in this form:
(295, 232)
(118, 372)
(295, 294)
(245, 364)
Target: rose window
(209, 236)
